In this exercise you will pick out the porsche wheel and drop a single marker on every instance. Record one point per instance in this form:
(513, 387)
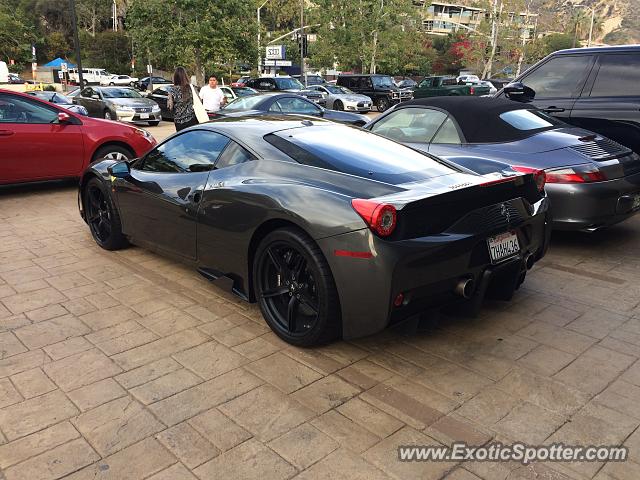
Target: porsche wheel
(102, 216)
(295, 289)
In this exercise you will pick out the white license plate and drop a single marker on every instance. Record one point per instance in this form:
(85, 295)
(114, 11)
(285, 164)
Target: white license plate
(503, 246)
(636, 202)
(144, 115)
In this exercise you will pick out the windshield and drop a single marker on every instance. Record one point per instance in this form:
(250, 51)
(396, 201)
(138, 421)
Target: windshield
(358, 153)
(244, 91)
(245, 103)
(120, 93)
(382, 81)
(288, 84)
(528, 119)
(338, 90)
(59, 99)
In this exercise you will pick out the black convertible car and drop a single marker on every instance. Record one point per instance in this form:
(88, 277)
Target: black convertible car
(341, 237)
(592, 181)
(286, 104)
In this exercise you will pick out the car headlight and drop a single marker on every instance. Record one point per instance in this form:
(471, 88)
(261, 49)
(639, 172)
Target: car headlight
(143, 133)
(155, 108)
(125, 108)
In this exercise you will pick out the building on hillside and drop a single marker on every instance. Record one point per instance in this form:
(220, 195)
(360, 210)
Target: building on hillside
(442, 18)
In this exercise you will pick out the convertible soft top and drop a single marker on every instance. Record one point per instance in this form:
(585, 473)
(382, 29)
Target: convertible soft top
(479, 117)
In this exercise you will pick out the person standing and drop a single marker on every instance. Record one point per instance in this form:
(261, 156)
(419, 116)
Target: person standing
(180, 101)
(212, 97)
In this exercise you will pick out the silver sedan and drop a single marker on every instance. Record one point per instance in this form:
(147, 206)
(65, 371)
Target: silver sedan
(341, 98)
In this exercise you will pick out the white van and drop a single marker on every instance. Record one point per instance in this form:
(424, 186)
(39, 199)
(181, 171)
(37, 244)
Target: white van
(89, 75)
(4, 73)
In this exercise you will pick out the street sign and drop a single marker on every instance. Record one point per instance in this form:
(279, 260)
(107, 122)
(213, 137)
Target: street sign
(275, 52)
(63, 67)
(149, 69)
(277, 63)
(60, 74)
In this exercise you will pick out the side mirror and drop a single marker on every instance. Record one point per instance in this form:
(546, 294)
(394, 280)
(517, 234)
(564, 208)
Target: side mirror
(119, 170)
(519, 92)
(64, 117)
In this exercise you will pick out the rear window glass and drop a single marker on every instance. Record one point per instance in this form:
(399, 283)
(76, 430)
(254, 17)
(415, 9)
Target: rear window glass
(357, 152)
(527, 119)
(245, 103)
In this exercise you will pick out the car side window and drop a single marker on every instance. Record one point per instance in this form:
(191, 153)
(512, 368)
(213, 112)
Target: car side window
(193, 151)
(426, 83)
(617, 76)
(448, 133)
(266, 84)
(161, 92)
(410, 125)
(234, 154)
(296, 105)
(87, 92)
(560, 77)
(21, 110)
(365, 83)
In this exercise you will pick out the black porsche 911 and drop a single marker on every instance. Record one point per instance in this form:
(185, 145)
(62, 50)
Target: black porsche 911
(332, 238)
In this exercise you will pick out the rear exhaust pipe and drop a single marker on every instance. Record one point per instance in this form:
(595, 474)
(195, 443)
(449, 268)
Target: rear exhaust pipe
(529, 260)
(465, 288)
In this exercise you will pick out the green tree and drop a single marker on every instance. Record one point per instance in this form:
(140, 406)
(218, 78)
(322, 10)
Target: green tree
(16, 34)
(556, 41)
(194, 33)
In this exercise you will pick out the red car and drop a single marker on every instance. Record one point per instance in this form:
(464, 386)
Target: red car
(41, 141)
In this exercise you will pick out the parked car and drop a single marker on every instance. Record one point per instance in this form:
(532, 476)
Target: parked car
(143, 83)
(463, 79)
(243, 91)
(241, 82)
(283, 84)
(310, 79)
(446, 86)
(160, 96)
(593, 88)
(119, 80)
(341, 98)
(39, 140)
(61, 100)
(119, 103)
(90, 76)
(592, 181)
(16, 79)
(492, 89)
(407, 83)
(332, 239)
(276, 104)
(379, 88)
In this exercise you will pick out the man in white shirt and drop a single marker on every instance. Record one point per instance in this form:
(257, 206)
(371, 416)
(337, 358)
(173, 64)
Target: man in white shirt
(212, 97)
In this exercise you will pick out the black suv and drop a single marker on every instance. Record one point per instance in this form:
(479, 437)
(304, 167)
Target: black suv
(283, 84)
(594, 88)
(380, 88)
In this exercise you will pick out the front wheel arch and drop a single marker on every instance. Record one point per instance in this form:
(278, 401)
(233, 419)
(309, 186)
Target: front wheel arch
(94, 154)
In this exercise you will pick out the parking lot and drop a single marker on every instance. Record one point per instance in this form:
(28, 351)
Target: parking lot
(130, 365)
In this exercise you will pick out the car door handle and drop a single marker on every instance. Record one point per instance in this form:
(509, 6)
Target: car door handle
(6, 133)
(553, 110)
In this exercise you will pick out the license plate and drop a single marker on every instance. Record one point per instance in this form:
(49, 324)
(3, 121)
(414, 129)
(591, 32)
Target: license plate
(503, 246)
(636, 202)
(144, 115)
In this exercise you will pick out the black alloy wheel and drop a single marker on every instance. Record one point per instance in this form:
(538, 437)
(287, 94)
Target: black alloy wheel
(102, 217)
(382, 104)
(338, 105)
(295, 289)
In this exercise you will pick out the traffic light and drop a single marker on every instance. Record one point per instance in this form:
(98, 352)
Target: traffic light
(302, 43)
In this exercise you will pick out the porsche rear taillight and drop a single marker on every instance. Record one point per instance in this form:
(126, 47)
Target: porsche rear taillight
(539, 176)
(576, 174)
(380, 217)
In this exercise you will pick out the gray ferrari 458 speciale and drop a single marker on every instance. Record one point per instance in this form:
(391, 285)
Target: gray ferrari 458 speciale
(333, 230)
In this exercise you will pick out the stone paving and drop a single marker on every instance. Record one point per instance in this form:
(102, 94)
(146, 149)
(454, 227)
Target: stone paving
(129, 365)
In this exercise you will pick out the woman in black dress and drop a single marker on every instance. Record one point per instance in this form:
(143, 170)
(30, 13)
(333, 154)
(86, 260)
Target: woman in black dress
(180, 101)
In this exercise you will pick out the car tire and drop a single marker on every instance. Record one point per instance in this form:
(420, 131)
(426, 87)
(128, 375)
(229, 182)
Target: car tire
(107, 115)
(382, 104)
(113, 152)
(111, 84)
(338, 105)
(102, 216)
(295, 289)
(154, 124)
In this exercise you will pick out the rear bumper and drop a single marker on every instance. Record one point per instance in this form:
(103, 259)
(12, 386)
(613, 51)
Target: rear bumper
(425, 270)
(590, 206)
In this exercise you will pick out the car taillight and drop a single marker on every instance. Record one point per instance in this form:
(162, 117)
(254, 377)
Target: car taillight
(380, 217)
(576, 174)
(539, 176)
(472, 91)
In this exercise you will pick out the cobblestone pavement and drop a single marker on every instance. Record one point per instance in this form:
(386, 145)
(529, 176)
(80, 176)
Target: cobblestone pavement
(131, 366)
